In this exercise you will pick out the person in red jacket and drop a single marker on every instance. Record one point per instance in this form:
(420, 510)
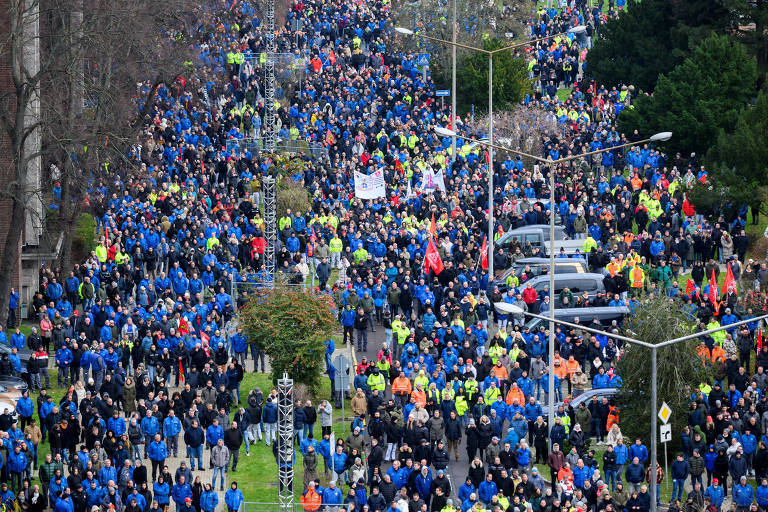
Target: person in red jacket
(530, 296)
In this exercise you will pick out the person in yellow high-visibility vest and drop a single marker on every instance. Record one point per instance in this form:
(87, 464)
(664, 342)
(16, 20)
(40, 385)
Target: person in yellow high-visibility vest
(636, 279)
(101, 253)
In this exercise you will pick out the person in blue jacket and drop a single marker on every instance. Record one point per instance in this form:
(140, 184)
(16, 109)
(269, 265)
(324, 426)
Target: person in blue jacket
(180, 492)
(108, 472)
(332, 495)
(162, 492)
(149, 427)
(209, 500)
(761, 494)
(466, 490)
(171, 430)
(240, 346)
(601, 380)
(63, 362)
(743, 494)
(638, 450)
(339, 464)
(25, 408)
(348, 316)
(212, 435)
(233, 498)
(64, 504)
(716, 493)
(13, 304)
(17, 463)
(487, 489)
(157, 453)
(680, 473)
(423, 482)
(18, 340)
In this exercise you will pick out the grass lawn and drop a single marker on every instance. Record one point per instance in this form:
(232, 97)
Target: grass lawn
(256, 475)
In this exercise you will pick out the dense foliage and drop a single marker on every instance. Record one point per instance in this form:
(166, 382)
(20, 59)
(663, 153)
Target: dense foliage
(290, 324)
(739, 160)
(510, 79)
(650, 39)
(656, 320)
(698, 98)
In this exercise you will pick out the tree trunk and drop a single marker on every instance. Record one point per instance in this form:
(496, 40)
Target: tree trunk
(11, 256)
(68, 220)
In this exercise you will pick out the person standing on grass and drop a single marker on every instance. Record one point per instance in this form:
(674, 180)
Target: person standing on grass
(219, 459)
(233, 498)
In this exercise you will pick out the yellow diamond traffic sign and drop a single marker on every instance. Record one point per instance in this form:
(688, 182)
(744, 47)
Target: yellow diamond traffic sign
(665, 413)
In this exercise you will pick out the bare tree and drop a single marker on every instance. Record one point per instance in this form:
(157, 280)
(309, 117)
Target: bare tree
(525, 128)
(84, 77)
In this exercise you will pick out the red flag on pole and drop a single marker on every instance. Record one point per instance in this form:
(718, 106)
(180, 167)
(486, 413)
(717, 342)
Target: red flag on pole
(399, 166)
(713, 294)
(730, 281)
(106, 236)
(433, 226)
(484, 253)
(181, 372)
(689, 287)
(760, 339)
(432, 259)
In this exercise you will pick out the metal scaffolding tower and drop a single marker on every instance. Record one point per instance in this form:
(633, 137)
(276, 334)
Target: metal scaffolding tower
(285, 448)
(269, 185)
(270, 133)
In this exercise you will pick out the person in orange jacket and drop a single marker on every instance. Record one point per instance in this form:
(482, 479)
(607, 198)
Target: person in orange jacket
(513, 394)
(310, 500)
(401, 389)
(419, 396)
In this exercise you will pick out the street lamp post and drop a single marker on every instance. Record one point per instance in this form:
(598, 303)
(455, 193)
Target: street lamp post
(511, 308)
(453, 82)
(659, 137)
(490, 53)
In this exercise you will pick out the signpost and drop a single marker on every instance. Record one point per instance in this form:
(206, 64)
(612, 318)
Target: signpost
(423, 61)
(341, 382)
(442, 94)
(665, 412)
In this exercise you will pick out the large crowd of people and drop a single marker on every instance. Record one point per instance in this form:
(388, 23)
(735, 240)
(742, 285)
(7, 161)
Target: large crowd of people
(141, 335)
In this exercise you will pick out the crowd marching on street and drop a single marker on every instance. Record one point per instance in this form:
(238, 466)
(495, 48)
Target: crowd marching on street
(142, 335)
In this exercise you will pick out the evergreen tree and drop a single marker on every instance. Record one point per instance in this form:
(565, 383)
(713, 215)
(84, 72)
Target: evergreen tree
(650, 39)
(738, 162)
(698, 98)
(679, 369)
(510, 79)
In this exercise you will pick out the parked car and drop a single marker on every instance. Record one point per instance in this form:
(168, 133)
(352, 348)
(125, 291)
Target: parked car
(16, 383)
(605, 315)
(24, 353)
(534, 267)
(576, 283)
(8, 399)
(585, 397)
(536, 234)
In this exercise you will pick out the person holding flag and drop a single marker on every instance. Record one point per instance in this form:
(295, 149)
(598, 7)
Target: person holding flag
(432, 259)
(484, 253)
(713, 294)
